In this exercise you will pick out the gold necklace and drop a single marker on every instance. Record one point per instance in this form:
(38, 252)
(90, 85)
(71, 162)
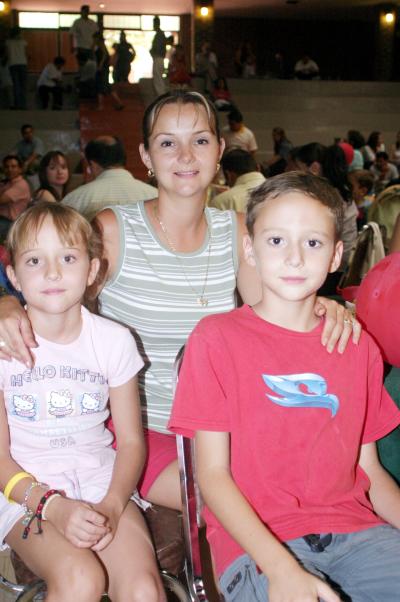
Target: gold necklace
(200, 298)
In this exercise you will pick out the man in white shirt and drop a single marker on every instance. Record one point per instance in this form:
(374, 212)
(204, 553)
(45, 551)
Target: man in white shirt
(81, 35)
(242, 175)
(50, 83)
(113, 184)
(306, 68)
(237, 135)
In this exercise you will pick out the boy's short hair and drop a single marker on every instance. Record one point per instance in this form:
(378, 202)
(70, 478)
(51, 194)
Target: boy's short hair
(235, 115)
(364, 178)
(239, 161)
(296, 181)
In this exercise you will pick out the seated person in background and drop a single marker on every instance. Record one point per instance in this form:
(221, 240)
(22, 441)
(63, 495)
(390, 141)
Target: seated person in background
(29, 149)
(385, 209)
(285, 434)
(113, 184)
(357, 141)
(207, 65)
(242, 175)
(383, 171)
(53, 177)
(221, 95)
(306, 68)
(394, 246)
(15, 193)
(362, 185)
(178, 74)
(50, 84)
(282, 147)
(237, 135)
(374, 144)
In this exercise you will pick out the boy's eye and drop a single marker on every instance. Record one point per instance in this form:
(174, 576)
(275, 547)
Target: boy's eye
(69, 258)
(314, 244)
(275, 241)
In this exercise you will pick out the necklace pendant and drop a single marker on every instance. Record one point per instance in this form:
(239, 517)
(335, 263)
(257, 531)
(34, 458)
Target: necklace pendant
(203, 301)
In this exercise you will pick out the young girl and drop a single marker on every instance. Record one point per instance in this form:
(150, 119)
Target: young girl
(53, 177)
(73, 522)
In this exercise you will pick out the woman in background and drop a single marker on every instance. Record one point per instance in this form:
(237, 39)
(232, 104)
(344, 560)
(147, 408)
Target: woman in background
(53, 177)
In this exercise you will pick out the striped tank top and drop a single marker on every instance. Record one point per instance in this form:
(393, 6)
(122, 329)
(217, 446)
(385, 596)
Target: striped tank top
(156, 294)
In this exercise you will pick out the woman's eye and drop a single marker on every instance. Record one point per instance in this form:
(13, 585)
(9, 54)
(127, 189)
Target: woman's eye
(166, 143)
(202, 141)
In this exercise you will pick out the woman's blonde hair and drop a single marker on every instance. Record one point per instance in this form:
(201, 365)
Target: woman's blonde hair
(71, 227)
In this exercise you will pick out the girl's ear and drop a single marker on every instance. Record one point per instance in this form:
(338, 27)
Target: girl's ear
(337, 257)
(145, 156)
(248, 250)
(12, 277)
(93, 269)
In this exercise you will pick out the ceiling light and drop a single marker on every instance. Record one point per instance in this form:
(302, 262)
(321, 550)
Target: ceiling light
(389, 17)
(102, 5)
(204, 11)
(2, 6)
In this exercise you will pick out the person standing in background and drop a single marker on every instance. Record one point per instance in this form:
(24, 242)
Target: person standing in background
(81, 35)
(50, 83)
(158, 51)
(18, 66)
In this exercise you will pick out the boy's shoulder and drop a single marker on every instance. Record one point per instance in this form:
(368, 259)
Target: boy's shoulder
(216, 322)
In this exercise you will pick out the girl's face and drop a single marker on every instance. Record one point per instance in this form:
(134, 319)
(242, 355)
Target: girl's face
(183, 151)
(57, 171)
(52, 274)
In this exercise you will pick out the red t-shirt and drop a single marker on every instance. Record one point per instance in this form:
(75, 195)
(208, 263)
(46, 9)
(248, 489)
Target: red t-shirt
(297, 416)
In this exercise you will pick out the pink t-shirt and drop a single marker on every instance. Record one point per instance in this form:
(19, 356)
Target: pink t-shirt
(18, 194)
(297, 416)
(56, 411)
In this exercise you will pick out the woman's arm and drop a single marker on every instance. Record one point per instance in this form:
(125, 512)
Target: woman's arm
(384, 492)
(227, 503)
(339, 323)
(126, 415)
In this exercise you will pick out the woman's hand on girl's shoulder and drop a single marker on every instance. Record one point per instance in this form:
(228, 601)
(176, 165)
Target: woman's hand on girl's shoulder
(78, 521)
(16, 336)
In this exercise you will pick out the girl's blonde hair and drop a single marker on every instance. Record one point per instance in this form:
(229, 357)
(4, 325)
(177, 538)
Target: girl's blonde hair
(71, 227)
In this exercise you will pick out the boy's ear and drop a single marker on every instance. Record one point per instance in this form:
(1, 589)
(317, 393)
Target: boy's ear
(145, 156)
(248, 250)
(12, 277)
(94, 268)
(337, 257)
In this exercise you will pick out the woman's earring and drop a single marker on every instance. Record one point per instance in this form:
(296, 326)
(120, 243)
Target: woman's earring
(218, 167)
(150, 173)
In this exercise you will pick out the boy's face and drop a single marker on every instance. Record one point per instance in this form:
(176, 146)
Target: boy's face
(293, 247)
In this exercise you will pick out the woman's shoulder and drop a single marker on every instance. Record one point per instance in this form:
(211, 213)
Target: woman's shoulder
(44, 195)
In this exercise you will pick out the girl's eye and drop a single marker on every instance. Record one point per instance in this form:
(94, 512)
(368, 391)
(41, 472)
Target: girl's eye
(313, 244)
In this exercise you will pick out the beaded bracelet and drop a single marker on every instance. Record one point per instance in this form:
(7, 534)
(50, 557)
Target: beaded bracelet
(29, 513)
(39, 513)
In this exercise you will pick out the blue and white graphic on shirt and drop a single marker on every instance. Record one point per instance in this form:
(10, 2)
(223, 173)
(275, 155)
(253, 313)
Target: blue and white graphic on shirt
(301, 391)
(60, 403)
(91, 403)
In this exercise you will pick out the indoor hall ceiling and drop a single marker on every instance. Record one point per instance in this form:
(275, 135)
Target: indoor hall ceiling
(303, 9)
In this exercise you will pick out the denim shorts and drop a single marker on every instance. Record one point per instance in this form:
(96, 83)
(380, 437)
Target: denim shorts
(363, 566)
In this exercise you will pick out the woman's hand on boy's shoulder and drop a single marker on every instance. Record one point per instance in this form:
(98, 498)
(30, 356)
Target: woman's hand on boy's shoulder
(340, 324)
(16, 336)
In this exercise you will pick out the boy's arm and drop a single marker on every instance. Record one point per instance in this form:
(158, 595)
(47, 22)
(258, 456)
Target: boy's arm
(288, 581)
(384, 493)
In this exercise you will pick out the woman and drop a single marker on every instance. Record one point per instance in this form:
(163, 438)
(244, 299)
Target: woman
(171, 261)
(374, 144)
(125, 54)
(53, 177)
(15, 193)
(282, 147)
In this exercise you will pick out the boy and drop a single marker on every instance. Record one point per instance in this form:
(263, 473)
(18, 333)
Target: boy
(285, 433)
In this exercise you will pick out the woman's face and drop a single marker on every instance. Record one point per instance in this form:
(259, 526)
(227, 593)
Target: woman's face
(57, 171)
(183, 151)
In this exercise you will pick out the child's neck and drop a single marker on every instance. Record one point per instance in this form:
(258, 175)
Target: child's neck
(61, 328)
(293, 315)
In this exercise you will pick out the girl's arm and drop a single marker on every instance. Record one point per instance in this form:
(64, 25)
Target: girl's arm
(384, 492)
(81, 525)
(339, 324)
(287, 580)
(129, 461)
